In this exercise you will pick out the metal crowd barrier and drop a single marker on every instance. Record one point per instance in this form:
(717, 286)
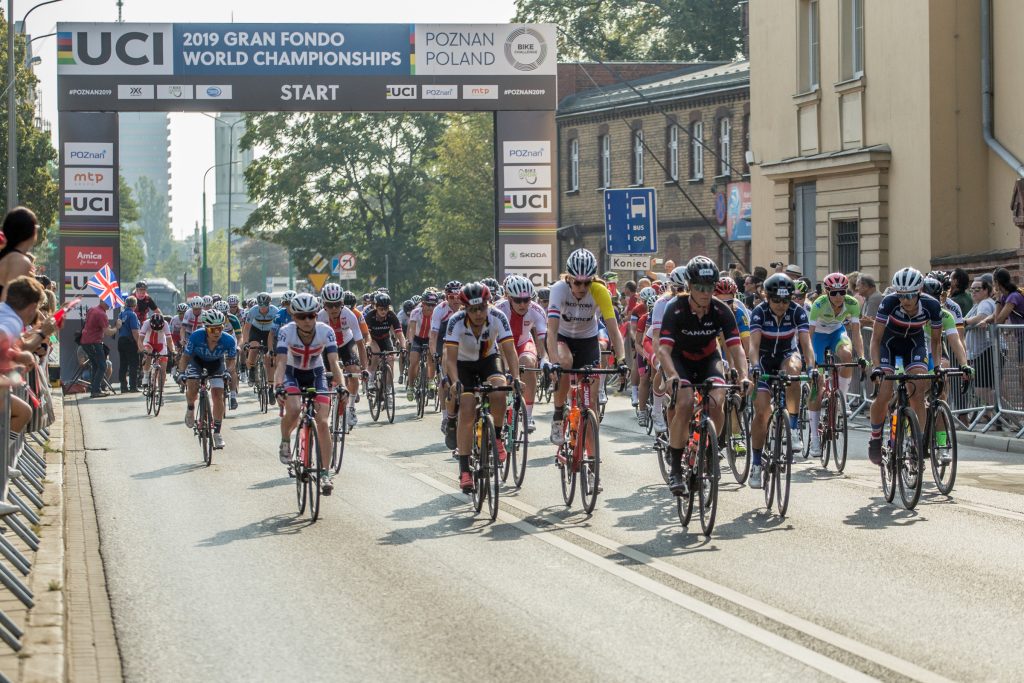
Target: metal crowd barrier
(22, 470)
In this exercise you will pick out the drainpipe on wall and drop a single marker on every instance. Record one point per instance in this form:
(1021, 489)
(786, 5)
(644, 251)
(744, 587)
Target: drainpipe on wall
(986, 92)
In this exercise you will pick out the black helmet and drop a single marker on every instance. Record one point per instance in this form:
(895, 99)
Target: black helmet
(408, 305)
(932, 287)
(349, 298)
(701, 271)
(381, 299)
(156, 321)
(141, 284)
(780, 285)
(367, 298)
(490, 283)
(474, 294)
(452, 287)
(263, 299)
(543, 294)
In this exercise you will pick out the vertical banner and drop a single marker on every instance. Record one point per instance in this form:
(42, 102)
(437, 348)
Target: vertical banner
(89, 215)
(525, 154)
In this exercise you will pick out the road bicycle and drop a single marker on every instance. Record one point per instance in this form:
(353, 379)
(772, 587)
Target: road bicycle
(203, 427)
(736, 433)
(403, 366)
(306, 462)
(422, 389)
(382, 397)
(154, 389)
(339, 420)
(579, 456)
(515, 434)
(940, 427)
(261, 386)
(834, 423)
(902, 450)
(777, 455)
(483, 458)
(545, 388)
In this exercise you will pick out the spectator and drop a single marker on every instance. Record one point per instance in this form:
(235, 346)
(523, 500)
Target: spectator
(20, 228)
(95, 328)
(794, 271)
(24, 295)
(959, 290)
(1011, 301)
(852, 278)
(670, 265)
(867, 288)
(979, 342)
(128, 326)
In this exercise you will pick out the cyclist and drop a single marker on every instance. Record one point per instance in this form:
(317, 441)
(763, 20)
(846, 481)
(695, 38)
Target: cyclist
(688, 350)
(175, 323)
(800, 294)
(899, 336)
(383, 324)
(644, 354)
(301, 346)
(778, 337)
(472, 340)
(258, 322)
(831, 314)
(439, 320)
(666, 295)
(235, 306)
(404, 311)
(236, 331)
(419, 342)
(352, 344)
(952, 345)
(190, 321)
(211, 350)
(529, 329)
(207, 302)
(282, 318)
(577, 300)
(153, 338)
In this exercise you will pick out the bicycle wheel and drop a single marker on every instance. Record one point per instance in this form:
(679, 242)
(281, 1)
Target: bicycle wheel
(299, 470)
(661, 451)
(737, 442)
(910, 463)
(312, 467)
(567, 466)
(375, 397)
(477, 464)
(784, 469)
(261, 390)
(421, 391)
(508, 440)
(838, 433)
(943, 456)
(590, 461)
(206, 428)
(389, 393)
(825, 422)
(520, 446)
(148, 392)
(769, 464)
(492, 472)
(708, 475)
(802, 421)
(339, 427)
(158, 392)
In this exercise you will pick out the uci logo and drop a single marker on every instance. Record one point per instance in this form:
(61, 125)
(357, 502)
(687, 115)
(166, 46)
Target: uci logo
(132, 48)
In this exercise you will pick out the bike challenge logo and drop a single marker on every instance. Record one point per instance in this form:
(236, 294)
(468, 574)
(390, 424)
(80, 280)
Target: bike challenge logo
(525, 49)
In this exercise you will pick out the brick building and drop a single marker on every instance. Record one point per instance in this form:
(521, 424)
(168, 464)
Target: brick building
(612, 137)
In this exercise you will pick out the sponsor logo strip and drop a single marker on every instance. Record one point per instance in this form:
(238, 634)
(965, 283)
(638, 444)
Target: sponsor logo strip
(175, 92)
(526, 151)
(401, 92)
(135, 92)
(440, 92)
(479, 92)
(89, 178)
(527, 176)
(89, 153)
(213, 92)
(88, 204)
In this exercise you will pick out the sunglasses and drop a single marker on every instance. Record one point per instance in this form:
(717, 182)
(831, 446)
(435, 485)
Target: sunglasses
(778, 299)
(304, 316)
(703, 289)
(479, 308)
(977, 289)
(837, 292)
(216, 329)
(521, 300)
(338, 305)
(907, 297)
(580, 283)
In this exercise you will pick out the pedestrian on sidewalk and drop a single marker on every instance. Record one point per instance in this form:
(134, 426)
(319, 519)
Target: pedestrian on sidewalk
(96, 327)
(20, 230)
(128, 346)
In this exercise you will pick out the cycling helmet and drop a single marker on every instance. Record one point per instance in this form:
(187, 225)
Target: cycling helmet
(453, 287)
(212, 318)
(657, 287)
(207, 300)
(304, 303)
(332, 292)
(679, 275)
(799, 287)
(233, 300)
(349, 298)
(907, 281)
(499, 292)
(941, 276)
(408, 305)
(648, 295)
(932, 287)
(182, 307)
(195, 302)
(780, 285)
(581, 263)
(543, 294)
(416, 298)
(430, 299)
(381, 299)
(288, 296)
(491, 284)
(833, 282)
(699, 271)
(263, 299)
(249, 303)
(518, 287)
(474, 293)
(367, 298)
(141, 284)
(725, 286)
(156, 321)
(221, 306)
(216, 297)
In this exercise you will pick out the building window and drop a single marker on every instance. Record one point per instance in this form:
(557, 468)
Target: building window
(673, 152)
(724, 146)
(574, 165)
(851, 39)
(605, 156)
(808, 46)
(847, 246)
(697, 150)
(638, 157)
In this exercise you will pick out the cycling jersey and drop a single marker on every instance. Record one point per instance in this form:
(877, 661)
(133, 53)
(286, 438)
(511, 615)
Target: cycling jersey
(175, 325)
(190, 323)
(236, 324)
(440, 316)
(657, 315)
(381, 328)
(826, 320)
(955, 310)
(362, 321)
(696, 338)
(300, 355)
(778, 335)
(522, 325)
(898, 323)
(472, 346)
(403, 318)
(742, 317)
(419, 324)
(578, 317)
(261, 320)
(346, 327)
(153, 340)
(198, 348)
(281, 318)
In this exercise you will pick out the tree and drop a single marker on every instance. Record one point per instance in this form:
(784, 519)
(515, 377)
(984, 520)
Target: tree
(153, 220)
(640, 30)
(458, 234)
(36, 186)
(256, 261)
(133, 254)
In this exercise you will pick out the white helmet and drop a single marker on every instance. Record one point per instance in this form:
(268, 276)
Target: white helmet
(207, 300)
(212, 318)
(221, 306)
(195, 302)
(581, 263)
(233, 300)
(678, 276)
(648, 294)
(332, 292)
(287, 296)
(907, 281)
(518, 287)
(182, 307)
(304, 303)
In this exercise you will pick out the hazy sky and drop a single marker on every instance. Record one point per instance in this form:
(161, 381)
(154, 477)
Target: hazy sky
(192, 134)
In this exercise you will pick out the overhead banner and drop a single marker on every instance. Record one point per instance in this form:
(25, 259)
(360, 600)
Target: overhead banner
(306, 67)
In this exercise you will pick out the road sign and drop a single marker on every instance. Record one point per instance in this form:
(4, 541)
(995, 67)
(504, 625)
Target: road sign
(348, 260)
(318, 262)
(336, 264)
(631, 263)
(630, 221)
(318, 280)
(347, 275)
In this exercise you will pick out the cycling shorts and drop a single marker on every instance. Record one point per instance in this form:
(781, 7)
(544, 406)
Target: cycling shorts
(473, 373)
(584, 351)
(384, 344)
(347, 354)
(159, 349)
(821, 341)
(696, 372)
(296, 380)
(911, 352)
(258, 335)
(419, 345)
(771, 365)
(527, 348)
(214, 368)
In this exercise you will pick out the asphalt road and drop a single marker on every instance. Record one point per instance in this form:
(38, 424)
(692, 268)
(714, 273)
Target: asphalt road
(213, 576)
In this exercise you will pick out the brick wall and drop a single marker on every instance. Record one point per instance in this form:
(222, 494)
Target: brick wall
(576, 77)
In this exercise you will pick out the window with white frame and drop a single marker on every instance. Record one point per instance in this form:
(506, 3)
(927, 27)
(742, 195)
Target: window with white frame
(574, 165)
(696, 150)
(851, 39)
(724, 146)
(673, 152)
(638, 157)
(605, 169)
(808, 46)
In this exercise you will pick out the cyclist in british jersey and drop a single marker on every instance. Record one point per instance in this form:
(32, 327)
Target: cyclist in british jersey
(899, 337)
(439, 322)
(301, 345)
(577, 300)
(419, 342)
(383, 323)
(190, 321)
(256, 328)
(778, 336)
(208, 349)
(175, 324)
(688, 350)
(351, 343)
(831, 314)
(472, 340)
(529, 329)
(153, 338)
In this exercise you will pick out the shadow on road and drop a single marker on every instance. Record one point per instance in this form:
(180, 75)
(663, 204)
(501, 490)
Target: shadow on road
(272, 483)
(879, 514)
(171, 470)
(257, 425)
(424, 450)
(278, 525)
(454, 517)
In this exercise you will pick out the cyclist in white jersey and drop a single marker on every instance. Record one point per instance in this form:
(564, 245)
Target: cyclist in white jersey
(351, 343)
(439, 319)
(190, 321)
(529, 328)
(676, 285)
(418, 334)
(154, 338)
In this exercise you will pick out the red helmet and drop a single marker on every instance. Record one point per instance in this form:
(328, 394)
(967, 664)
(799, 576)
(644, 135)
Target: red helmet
(657, 287)
(725, 286)
(474, 293)
(835, 281)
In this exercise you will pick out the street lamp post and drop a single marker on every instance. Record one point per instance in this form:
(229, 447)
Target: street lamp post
(231, 180)
(205, 286)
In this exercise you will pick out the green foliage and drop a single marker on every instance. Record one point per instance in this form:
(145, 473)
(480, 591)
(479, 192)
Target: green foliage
(133, 255)
(257, 260)
(154, 221)
(640, 30)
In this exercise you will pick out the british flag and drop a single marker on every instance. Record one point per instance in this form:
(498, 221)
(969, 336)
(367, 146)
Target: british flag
(104, 283)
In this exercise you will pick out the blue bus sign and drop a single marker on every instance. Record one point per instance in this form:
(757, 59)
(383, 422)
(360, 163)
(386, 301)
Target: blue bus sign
(631, 221)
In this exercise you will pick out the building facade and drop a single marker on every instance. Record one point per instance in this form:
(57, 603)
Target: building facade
(228, 130)
(868, 142)
(683, 133)
(145, 151)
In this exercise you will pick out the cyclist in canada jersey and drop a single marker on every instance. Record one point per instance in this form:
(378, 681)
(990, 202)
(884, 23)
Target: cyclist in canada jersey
(472, 341)
(256, 328)
(351, 343)
(211, 350)
(529, 324)
(830, 315)
(899, 336)
(577, 300)
(383, 323)
(419, 343)
(688, 350)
